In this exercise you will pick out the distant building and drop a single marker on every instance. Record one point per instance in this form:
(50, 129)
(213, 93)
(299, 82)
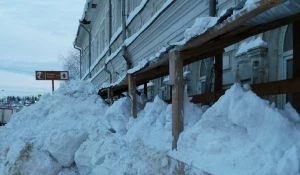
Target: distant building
(151, 25)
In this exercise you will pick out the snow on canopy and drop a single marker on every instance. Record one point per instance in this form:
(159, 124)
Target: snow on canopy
(73, 131)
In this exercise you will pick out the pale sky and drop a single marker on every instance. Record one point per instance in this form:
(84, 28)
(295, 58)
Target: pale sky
(33, 34)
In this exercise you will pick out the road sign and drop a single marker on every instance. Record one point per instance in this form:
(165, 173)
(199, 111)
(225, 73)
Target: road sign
(51, 75)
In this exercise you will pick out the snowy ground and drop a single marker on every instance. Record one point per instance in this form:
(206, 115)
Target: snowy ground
(75, 132)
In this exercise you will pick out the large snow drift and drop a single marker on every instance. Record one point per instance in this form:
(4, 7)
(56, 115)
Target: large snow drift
(243, 134)
(74, 132)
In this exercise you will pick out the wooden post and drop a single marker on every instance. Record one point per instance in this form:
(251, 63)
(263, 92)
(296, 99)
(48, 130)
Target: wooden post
(111, 97)
(171, 94)
(218, 72)
(296, 62)
(52, 86)
(176, 81)
(132, 93)
(146, 90)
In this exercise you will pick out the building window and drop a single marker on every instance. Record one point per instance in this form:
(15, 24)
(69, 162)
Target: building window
(203, 71)
(288, 40)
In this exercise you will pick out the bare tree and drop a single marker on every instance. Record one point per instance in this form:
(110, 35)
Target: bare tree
(71, 62)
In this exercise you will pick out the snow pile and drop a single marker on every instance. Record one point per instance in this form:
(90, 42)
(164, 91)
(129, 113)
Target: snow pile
(75, 132)
(134, 146)
(242, 134)
(44, 137)
(245, 46)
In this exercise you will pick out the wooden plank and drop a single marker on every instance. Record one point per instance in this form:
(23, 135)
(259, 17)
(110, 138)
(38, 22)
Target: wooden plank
(176, 81)
(296, 62)
(134, 96)
(262, 89)
(132, 93)
(146, 89)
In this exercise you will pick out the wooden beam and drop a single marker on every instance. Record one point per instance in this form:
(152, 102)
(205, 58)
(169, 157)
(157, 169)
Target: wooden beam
(296, 62)
(262, 89)
(146, 89)
(176, 81)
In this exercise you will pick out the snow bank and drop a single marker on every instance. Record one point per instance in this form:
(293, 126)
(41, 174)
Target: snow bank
(44, 137)
(241, 134)
(74, 132)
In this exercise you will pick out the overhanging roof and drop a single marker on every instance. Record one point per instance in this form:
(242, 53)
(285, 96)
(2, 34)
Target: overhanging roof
(234, 29)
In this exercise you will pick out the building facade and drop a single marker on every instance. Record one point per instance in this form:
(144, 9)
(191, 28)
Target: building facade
(124, 32)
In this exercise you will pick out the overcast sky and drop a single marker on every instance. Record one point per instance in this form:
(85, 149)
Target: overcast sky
(33, 34)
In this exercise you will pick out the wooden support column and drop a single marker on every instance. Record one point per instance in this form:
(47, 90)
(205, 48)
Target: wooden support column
(218, 72)
(176, 81)
(296, 62)
(146, 90)
(132, 93)
(111, 97)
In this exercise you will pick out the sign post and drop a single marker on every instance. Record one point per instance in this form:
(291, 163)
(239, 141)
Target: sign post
(52, 75)
(52, 85)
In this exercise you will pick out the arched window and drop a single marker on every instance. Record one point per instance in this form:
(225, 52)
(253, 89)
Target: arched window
(203, 69)
(288, 58)
(288, 39)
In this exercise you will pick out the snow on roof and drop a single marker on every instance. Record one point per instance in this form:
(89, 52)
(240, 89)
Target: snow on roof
(200, 26)
(245, 46)
(143, 63)
(107, 85)
(288, 8)
(129, 40)
(133, 13)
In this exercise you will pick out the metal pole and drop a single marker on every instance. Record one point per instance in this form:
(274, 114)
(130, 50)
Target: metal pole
(52, 85)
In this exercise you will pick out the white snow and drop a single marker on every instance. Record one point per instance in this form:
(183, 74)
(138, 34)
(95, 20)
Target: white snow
(241, 134)
(148, 85)
(106, 85)
(75, 132)
(136, 11)
(129, 40)
(115, 35)
(138, 67)
(96, 62)
(245, 46)
(113, 55)
(200, 26)
(96, 74)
